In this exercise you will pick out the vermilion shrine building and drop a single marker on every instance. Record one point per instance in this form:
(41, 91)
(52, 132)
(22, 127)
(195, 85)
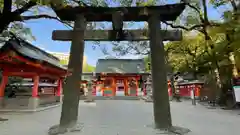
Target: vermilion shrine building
(20, 58)
(119, 77)
(122, 77)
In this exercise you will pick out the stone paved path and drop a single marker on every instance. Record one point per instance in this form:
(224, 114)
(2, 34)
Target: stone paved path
(113, 117)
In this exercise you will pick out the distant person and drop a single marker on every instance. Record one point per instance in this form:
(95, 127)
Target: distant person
(12, 94)
(85, 89)
(177, 91)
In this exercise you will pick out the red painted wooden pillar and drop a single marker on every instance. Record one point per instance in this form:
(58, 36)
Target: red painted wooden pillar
(126, 87)
(3, 84)
(114, 86)
(136, 80)
(59, 87)
(35, 86)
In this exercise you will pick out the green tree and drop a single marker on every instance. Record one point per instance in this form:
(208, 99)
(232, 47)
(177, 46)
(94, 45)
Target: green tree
(183, 54)
(216, 48)
(86, 67)
(90, 68)
(64, 62)
(14, 12)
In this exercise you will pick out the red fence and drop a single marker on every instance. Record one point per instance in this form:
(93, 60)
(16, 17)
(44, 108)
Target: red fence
(184, 89)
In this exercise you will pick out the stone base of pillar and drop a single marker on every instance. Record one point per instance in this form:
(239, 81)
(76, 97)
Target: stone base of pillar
(59, 98)
(33, 103)
(2, 102)
(149, 99)
(89, 99)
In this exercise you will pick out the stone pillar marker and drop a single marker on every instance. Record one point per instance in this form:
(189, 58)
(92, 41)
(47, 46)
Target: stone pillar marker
(162, 115)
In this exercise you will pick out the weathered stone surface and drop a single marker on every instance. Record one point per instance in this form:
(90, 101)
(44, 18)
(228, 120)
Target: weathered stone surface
(174, 130)
(3, 119)
(55, 130)
(33, 103)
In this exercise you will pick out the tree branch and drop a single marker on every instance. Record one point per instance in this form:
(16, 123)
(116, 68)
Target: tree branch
(205, 12)
(25, 18)
(25, 8)
(7, 6)
(197, 10)
(80, 3)
(195, 27)
(234, 5)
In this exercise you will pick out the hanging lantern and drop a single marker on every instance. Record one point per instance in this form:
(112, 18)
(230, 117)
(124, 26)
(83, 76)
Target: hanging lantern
(99, 78)
(149, 66)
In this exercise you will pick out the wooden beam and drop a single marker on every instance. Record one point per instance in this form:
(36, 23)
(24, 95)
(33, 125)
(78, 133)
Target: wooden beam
(31, 74)
(21, 74)
(105, 35)
(24, 68)
(167, 12)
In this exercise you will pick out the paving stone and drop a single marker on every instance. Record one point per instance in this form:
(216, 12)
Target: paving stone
(125, 117)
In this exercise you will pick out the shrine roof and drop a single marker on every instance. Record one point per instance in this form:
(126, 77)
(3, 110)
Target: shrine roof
(167, 12)
(120, 66)
(30, 51)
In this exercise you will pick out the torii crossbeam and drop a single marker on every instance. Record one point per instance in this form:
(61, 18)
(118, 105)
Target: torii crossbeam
(105, 35)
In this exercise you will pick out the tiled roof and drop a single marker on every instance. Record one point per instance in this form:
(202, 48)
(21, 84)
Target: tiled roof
(120, 66)
(30, 51)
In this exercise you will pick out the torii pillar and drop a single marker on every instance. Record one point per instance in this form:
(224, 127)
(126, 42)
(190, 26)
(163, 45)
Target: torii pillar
(159, 75)
(72, 87)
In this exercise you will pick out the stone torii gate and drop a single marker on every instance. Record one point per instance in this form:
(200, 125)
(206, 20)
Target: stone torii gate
(153, 15)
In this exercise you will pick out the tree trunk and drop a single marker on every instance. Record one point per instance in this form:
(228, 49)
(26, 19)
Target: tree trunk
(4, 22)
(71, 89)
(161, 106)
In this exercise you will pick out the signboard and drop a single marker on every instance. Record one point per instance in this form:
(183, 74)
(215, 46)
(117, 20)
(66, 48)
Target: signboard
(192, 94)
(236, 89)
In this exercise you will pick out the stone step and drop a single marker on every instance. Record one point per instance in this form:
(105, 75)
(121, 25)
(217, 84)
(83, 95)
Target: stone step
(114, 98)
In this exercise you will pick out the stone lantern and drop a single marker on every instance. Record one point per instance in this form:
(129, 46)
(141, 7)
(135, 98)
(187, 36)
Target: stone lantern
(149, 89)
(89, 97)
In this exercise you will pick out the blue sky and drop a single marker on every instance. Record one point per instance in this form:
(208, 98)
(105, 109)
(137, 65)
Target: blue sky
(42, 30)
